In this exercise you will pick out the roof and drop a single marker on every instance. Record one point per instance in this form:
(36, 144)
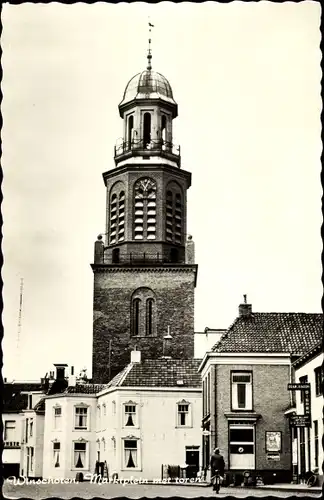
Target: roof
(13, 399)
(295, 333)
(148, 85)
(163, 372)
(314, 351)
(40, 406)
(85, 389)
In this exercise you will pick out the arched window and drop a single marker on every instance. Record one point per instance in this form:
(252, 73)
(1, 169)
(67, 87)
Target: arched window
(136, 306)
(143, 312)
(174, 214)
(145, 210)
(149, 316)
(146, 129)
(117, 217)
(130, 131)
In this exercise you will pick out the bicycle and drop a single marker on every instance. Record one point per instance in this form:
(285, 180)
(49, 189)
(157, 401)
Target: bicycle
(216, 481)
(312, 478)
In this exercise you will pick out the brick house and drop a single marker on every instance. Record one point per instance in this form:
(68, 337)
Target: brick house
(245, 395)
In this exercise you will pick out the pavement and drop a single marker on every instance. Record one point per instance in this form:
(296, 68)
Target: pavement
(88, 490)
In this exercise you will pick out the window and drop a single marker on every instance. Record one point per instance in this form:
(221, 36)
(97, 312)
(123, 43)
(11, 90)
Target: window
(319, 375)
(303, 380)
(163, 129)
(31, 454)
(149, 316)
(145, 209)
(31, 425)
(183, 414)
(241, 391)
(130, 130)
(117, 218)
(316, 442)
(147, 130)
(26, 431)
(302, 449)
(81, 417)
(130, 454)
(10, 430)
(174, 214)
(57, 417)
(56, 454)
(143, 313)
(30, 401)
(98, 417)
(208, 393)
(130, 414)
(79, 452)
(114, 407)
(241, 444)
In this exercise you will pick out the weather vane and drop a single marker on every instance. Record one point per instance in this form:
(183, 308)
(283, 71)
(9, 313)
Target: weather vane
(149, 53)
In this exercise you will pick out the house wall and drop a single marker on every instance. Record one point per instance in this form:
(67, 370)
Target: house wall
(67, 435)
(11, 451)
(316, 414)
(36, 441)
(160, 441)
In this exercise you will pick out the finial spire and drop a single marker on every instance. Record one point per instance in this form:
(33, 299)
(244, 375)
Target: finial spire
(149, 52)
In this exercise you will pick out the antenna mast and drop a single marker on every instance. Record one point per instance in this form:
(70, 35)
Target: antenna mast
(20, 311)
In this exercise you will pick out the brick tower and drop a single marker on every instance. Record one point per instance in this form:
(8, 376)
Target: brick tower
(144, 271)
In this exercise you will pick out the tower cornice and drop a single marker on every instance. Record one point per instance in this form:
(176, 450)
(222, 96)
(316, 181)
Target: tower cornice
(175, 171)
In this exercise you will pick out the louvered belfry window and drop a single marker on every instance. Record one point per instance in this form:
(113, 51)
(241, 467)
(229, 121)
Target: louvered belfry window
(117, 218)
(173, 216)
(145, 210)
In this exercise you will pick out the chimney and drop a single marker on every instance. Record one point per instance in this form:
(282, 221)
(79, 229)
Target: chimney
(72, 378)
(190, 250)
(245, 310)
(99, 250)
(60, 371)
(135, 356)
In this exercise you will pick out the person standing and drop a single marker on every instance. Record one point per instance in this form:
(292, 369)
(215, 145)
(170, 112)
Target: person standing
(217, 467)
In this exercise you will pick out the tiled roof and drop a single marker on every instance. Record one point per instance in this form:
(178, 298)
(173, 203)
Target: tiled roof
(85, 389)
(114, 382)
(295, 333)
(163, 372)
(40, 405)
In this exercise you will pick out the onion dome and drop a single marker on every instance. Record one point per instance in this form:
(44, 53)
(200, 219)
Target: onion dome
(148, 85)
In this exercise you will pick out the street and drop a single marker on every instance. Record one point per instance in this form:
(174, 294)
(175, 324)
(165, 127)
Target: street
(88, 490)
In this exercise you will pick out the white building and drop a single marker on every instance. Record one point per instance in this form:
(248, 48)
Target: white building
(147, 418)
(308, 440)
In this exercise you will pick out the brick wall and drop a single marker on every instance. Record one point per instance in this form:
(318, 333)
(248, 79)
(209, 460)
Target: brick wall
(270, 400)
(113, 288)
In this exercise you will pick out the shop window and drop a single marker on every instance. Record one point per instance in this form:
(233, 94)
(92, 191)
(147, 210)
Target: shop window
(241, 391)
(241, 447)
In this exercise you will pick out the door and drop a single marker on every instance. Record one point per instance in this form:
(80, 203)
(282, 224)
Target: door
(192, 461)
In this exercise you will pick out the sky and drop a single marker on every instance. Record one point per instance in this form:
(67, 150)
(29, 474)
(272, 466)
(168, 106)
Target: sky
(246, 77)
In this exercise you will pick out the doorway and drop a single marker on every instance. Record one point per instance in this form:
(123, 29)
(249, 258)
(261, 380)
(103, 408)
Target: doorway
(192, 461)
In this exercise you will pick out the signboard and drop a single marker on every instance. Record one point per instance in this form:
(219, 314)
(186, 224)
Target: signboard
(300, 421)
(273, 441)
(298, 387)
(273, 457)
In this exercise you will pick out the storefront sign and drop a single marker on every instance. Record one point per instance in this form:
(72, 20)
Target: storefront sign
(298, 387)
(273, 457)
(300, 421)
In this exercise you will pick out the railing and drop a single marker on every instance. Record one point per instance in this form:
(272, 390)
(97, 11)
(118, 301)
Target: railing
(158, 146)
(144, 258)
(11, 444)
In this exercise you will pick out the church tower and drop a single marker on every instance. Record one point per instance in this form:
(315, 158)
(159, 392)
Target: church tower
(144, 269)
